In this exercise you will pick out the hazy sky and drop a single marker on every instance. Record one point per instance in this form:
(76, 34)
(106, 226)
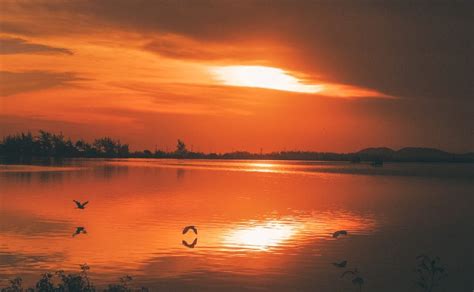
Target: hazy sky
(241, 75)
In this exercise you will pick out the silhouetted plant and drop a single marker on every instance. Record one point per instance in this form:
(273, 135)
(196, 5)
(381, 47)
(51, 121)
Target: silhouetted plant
(46, 283)
(430, 272)
(123, 286)
(62, 282)
(15, 286)
(357, 280)
(76, 282)
(66, 282)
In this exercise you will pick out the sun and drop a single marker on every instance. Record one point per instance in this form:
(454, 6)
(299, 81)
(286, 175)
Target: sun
(262, 77)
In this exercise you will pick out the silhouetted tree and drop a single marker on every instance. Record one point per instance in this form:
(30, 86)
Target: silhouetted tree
(181, 150)
(15, 285)
(105, 146)
(84, 149)
(160, 154)
(20, 145)
(123, 150)
(45, 143)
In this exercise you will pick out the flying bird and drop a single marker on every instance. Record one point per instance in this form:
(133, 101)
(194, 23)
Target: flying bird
(340, 232)
(79, 230)
(80, 205)
(187, 228)
(341, 264)
(192, 245)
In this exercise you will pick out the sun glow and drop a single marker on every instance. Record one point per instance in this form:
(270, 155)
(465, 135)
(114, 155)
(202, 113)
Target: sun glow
(262, 77)
(261, 167)
(261, 237)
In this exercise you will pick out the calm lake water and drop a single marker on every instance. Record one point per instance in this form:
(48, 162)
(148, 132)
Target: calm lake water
(262, 225)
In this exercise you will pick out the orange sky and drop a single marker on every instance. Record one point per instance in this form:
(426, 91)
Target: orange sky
(237, 76)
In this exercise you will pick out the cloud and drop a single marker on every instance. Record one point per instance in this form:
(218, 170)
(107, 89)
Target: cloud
(418, 50)
(16, 82)
(19, 46)
(14, 27)
(179, 47)
(415, 49)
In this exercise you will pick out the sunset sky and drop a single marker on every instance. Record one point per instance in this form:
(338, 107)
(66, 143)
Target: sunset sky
(241, 75)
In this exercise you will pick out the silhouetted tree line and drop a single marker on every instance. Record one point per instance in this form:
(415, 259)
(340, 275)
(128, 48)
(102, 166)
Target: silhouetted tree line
(47, 144)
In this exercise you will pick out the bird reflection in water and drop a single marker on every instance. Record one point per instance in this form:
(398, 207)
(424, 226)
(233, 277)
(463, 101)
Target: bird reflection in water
(185, 230)
(191, 227)
(192, 245)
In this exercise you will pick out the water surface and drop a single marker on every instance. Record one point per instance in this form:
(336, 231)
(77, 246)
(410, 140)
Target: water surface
(262, 225)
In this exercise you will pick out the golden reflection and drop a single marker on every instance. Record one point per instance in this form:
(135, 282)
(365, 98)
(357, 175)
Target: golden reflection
(256, 217)
(294, 229)
(260, 237)
(261, 167)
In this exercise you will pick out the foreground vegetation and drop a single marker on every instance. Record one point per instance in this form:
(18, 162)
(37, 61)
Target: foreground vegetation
(45, 144)
(429, 273)
(62, 282)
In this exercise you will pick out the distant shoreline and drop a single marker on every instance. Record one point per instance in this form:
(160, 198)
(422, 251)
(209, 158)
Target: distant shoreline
(45, 145)
(23, 159)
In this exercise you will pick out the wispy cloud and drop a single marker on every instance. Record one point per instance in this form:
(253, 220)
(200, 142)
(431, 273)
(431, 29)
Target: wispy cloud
(17, 82)
(20, 46)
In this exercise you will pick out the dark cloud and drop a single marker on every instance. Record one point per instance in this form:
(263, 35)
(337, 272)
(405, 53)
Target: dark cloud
(14, 28)
(19, 46)
(416, 49)
(17, 82)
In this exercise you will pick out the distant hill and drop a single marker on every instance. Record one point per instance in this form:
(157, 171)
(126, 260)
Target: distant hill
(380, 153)
(412, 154)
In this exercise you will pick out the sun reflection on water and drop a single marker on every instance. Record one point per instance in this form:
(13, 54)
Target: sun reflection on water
(261, 167)
(292, 230)
(260, 237)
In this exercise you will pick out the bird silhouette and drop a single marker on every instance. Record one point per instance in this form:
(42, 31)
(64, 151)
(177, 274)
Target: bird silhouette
(338, 233)
(80, 205)
(341, 264)
(187, 228)
(79, 230)
(192, 245)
